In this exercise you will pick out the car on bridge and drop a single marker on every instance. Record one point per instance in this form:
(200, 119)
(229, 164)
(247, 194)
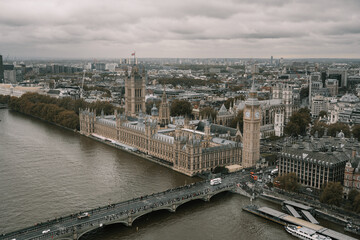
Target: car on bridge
(215, 181)
(46, 231)
(84, 215)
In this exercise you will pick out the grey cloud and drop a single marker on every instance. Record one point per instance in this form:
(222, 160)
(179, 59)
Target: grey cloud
(176, 28)
(344, 28)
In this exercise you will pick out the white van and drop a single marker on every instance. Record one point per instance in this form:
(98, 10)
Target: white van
(215, 181)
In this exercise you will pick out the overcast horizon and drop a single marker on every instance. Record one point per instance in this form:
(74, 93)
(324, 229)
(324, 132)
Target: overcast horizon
(186, 29)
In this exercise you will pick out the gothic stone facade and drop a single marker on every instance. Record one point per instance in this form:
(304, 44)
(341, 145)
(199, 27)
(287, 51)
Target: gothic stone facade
(275, 112)
(134, 92)
(251, 140)
(185, 150)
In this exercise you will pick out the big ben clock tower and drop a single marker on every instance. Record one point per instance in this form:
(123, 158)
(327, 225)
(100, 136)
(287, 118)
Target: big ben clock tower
(251, 136)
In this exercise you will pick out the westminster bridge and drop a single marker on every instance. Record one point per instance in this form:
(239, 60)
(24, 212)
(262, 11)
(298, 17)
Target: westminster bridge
(71, 227)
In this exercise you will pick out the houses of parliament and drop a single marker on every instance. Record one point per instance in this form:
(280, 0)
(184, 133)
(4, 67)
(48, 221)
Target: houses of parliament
(183, 146)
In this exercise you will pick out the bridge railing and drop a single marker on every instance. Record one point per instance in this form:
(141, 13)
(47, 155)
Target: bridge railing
(70, 217)
(48, 223)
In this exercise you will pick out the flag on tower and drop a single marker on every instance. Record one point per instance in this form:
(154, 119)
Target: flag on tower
(133, 54)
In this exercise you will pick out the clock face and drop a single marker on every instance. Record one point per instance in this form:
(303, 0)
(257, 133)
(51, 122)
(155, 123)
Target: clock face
(257, 114)
(247, 114)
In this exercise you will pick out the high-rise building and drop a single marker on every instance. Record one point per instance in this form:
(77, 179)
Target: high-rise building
(271, 60)
(1, 70)
(135, 92)
(255, 68)
(9, 76)
(251, 139)
(317, 161)
(333, 86)
(99, 66)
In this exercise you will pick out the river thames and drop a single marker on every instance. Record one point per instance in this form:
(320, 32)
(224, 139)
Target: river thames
(48, 172)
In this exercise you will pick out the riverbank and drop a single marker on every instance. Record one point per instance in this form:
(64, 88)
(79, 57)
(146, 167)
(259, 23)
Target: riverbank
(326, 214)
(139, 154)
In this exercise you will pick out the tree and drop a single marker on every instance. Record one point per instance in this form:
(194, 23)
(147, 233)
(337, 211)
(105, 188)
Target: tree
(356, 204)
(298, 122)
(184, 81)
(322, 114)
(99, 106)
(304, 93)
(66, 103)
(356, 131)
(47, 108)
(68, 119)
(79, 103)
(270, 158)
(306, 112)
(180, 108)
(292, 129)
(318, 127)
(332, 194)
(4, 99)
(239, 119)
(208, 112)
(229, 102)
(289, 182)
(352, 195)
(338, 127)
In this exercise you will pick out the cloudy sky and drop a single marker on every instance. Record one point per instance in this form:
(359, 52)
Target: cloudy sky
(180, 28)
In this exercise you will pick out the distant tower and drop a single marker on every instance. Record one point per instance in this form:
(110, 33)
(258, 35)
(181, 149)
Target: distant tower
(164, 111)
(287, 101)
(154, 112)
(1, 70)
(277, 92)
(251, 136)
(87, 121)
(134, 92)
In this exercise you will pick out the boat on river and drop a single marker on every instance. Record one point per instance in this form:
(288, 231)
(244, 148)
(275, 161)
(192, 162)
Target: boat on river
(305, 233)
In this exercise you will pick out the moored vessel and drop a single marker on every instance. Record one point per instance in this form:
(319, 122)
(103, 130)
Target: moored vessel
(304, 233)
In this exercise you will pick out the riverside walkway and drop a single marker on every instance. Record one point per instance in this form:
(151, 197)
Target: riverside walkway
(71, 227)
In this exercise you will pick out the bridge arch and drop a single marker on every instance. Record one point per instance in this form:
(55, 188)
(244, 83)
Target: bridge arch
(203, 198)
(217, 193)
(171, 208)
(97, 226)
(167, 208)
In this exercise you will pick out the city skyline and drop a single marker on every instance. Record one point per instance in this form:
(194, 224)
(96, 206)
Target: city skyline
(187, 29)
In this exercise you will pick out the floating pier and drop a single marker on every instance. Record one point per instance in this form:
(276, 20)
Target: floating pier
(284, 219)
